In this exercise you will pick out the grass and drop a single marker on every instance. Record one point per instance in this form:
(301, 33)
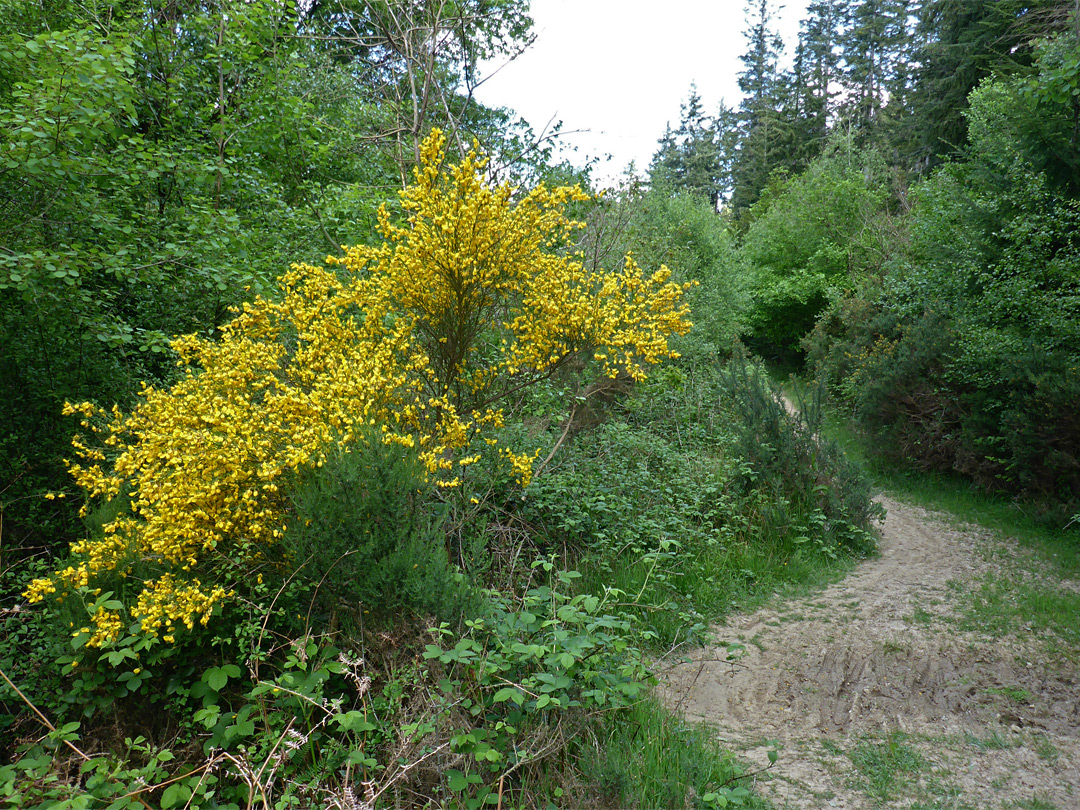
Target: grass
(995, 742)
(1016, 694)
(921, 616)
(1046, 750)
(888, 767)
(1034, 803)
(652, 759)
(1012, 604)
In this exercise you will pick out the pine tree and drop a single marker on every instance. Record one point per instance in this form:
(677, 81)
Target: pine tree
(689, 159)
(961, 43)
(875, 52)
(817, 66)
(762, 125)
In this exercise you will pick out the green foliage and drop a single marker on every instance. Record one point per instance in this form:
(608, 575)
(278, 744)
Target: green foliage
(129, 216)
(666, 226)
(966, 356)
(695, 159)
(888, 766)
(280, 739)
(365, 537)
(160, 163)
(648, 758)
(706, 492)
(812, 493)
(810, 239)
(550, 652)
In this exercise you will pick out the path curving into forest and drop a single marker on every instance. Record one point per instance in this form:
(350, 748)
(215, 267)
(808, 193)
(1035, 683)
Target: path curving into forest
(877, 695)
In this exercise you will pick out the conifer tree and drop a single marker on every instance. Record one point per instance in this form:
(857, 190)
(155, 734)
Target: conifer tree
(690, 158)
(762, 125)
(961, 43)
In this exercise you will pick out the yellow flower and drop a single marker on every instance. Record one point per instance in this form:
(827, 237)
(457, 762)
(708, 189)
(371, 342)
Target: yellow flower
(471, 296)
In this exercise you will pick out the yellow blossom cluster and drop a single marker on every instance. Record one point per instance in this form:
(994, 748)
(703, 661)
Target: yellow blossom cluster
(467, 300)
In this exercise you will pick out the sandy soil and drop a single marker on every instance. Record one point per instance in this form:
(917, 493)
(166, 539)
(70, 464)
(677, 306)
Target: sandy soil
(833, 678)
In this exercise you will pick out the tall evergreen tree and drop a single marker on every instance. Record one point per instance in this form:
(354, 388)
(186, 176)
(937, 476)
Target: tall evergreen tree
(689, 159)
(963, 42)
(817, 66)
(875, 47)
(762, 126)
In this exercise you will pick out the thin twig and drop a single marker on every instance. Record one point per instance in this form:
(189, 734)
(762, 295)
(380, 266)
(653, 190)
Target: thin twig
(37, 711)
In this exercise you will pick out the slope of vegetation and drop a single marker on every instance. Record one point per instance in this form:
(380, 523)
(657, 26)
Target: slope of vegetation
(919, 256)
(440, 617)
(416, 524)
(408, 529)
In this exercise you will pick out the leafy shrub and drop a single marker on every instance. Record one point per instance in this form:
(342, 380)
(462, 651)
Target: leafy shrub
(678, 764)
(700, 488)
(815, 494)
(365, 535)
(422, 336)
(548, 656)
(891, 376)
(965, 357)
(682, 232)
(812, 238)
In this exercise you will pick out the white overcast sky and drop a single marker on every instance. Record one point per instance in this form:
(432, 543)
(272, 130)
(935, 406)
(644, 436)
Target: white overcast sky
(620, 69)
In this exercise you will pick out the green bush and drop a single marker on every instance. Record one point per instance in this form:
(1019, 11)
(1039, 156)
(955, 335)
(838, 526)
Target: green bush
(965, 358)
(700, 491)
(682, 231)
(812, 493)
(810, 239)
(366, 535)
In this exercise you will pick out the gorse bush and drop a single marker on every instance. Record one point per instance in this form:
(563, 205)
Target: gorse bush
(366, 537)
(694, 491)
(419, 337)
(813, 494)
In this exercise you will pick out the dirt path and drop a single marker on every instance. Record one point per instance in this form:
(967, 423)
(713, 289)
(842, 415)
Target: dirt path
(876, 698)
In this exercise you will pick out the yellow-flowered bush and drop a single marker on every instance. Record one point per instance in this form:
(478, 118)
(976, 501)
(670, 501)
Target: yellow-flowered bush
(421, 337)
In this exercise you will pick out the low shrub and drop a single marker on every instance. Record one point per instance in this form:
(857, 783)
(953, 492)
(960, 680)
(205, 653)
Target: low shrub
(365, 535)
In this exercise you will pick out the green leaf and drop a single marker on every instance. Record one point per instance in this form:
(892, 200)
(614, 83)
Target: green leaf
(456, 781)
(175, 794)
(354, 721)
(217, 677)
(507, 693)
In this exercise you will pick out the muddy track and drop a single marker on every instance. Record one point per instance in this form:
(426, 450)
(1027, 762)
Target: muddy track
(880, 657)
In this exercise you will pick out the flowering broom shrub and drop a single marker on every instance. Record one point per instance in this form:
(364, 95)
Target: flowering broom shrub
(415, 340)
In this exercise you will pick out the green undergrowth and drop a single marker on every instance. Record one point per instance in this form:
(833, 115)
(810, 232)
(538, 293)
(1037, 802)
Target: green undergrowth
(703, 495)
(887, 767)
(482, 646)
(663, 762)
(1040, 526)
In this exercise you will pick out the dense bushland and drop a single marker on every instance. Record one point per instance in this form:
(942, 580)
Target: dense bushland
(939, 306)
(160, 162)
(906, 191)
(964, 356)
(470, 674)
(810, 238)
(327, 563)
